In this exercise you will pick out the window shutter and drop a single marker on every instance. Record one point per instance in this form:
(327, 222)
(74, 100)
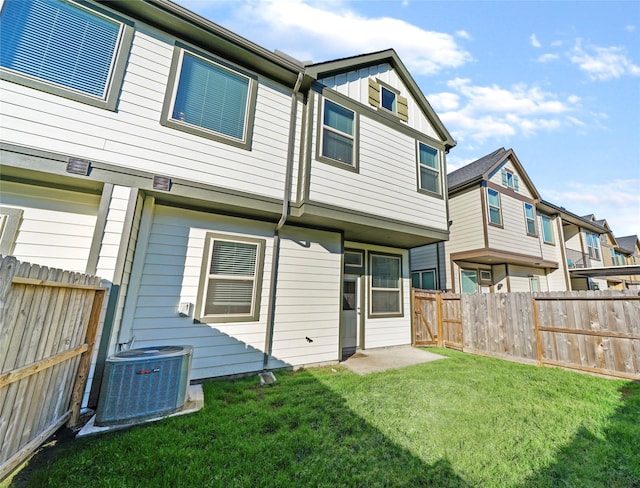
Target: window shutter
(515, 182)
(374, 93)
(504, 176)
(60, 43)
(402, 108)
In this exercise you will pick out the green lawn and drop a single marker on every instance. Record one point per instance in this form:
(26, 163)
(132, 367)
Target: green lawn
(465, 421)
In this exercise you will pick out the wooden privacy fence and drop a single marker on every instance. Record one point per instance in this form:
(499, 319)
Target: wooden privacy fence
(48, 325)
(590, 331)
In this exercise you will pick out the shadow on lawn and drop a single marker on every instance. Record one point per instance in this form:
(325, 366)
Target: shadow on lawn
(612, 461)
(295, 433)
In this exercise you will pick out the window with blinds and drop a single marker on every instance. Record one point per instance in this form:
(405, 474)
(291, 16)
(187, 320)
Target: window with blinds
(386, 285)
(210, 99)
(232, 278)
(338, 135)
(65, 48)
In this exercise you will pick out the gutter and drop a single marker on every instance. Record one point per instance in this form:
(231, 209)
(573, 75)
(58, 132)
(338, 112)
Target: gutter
(268, 341)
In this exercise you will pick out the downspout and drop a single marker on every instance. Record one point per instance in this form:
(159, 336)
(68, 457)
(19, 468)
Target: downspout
(268, 341)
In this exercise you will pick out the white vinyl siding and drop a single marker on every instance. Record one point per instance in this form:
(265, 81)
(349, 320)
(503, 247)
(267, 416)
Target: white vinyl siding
(355, 84)
(307, 300)
(385, 184)
(512, 236)
(57, 225)
(132, 138)
(308, 297)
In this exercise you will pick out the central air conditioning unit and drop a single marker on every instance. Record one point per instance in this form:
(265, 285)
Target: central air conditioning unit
(140, 384)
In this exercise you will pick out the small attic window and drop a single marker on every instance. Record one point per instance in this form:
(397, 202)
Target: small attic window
(509, 179)
(388, 100)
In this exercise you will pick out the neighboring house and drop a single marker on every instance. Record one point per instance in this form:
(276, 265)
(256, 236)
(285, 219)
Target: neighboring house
(234, 199)
(501, 239)
(629, 247)
(613, 256)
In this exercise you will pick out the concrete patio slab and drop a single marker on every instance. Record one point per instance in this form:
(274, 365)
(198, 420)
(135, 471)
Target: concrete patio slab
(381, 359)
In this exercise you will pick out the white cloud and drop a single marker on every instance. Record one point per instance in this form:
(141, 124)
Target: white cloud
(464, 35)
(493, 112)
(603, 63)
(340, 31)
(621, 206)
(534, 41)
(545, 58)
(630, 28)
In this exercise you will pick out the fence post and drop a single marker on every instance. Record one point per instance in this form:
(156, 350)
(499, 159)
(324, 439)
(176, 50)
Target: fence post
(85, 360)
(439, 314)
(413, 317)
(536, 324)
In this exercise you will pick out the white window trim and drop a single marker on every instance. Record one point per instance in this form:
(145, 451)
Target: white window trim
(485, 276)
(254, 314)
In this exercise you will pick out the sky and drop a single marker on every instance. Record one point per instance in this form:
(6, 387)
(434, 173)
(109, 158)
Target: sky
(556, 81)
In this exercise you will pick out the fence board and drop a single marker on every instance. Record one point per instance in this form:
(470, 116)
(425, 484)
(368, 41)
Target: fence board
(47, 334)
(589, 331)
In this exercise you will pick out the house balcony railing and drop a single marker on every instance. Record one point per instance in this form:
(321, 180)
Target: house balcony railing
(577, 259)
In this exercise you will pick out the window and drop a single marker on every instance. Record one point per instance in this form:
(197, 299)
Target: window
(354, 261)
(530, 218)
(386, 285)
(593, 245)
(425, 280)
(429, 168)
(509, 179)
(338, 134)
(547, 229)
(210, 99)
(388, 99)
(534, 284)
(495, 215)
(231, 279)
(485, 276)
(469, 280)
(382, 95)
(71, 50)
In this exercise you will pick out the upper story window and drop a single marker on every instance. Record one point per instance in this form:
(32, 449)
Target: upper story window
(231, 279)
(593, 245)
(382, 95)
(509, 179)
(547, 229)
(338, 135)
(429, 168)
(388, 100)
(210, 99)
(386, 285)
(493, 201)
(71, 50)
(530, 218)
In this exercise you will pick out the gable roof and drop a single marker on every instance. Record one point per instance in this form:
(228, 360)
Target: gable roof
(482, 168)
(628, 243)
(341, 65)
(582, 222)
